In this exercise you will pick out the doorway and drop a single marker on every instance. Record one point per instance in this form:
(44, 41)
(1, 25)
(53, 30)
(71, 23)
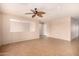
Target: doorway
(43, 30)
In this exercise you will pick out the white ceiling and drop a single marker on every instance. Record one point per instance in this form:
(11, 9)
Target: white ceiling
(53, 10)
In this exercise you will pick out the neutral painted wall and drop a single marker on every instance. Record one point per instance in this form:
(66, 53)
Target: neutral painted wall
(9, 37)
(0, 29)
(75, 28)
(43, 29)
(60, 28)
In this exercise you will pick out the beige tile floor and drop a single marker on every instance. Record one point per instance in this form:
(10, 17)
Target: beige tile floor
(42, 47)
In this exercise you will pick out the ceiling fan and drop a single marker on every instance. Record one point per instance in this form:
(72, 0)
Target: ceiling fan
(35, 12)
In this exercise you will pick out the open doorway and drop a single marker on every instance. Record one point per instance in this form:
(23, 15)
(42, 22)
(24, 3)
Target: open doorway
(43, 30)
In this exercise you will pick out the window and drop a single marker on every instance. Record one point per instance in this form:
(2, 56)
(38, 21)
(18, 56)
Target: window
(19, 26)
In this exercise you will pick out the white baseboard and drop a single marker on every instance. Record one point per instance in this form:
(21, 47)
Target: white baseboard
(17, 41)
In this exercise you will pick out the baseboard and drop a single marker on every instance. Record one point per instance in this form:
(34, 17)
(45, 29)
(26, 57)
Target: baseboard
(59, 38)
(18, 41)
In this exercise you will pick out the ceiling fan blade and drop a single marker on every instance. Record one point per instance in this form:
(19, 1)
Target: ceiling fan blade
(33, 11)
(28, 13)
(40, 15)
(33, 15)
(41, 12)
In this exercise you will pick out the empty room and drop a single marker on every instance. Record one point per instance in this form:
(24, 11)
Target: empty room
(39, 29)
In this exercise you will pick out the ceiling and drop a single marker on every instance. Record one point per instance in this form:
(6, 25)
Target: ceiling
(53, 10)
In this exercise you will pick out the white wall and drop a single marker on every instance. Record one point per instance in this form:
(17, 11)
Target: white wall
(0, 29)
(0, 26)
(57, 28)
(43, 29)
(75, 28)
(9, 37)
(60, 28)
